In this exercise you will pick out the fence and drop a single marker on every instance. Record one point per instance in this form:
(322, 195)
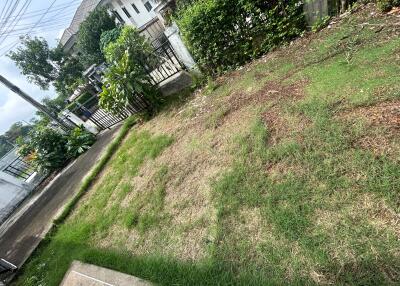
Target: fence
(90, 110)
(168, 64)
(163, 65)
(20, 168)
(153, 31)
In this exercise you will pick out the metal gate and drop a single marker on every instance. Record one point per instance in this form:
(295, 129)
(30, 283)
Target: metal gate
(20, 168)
(167, 64)
(90, 110)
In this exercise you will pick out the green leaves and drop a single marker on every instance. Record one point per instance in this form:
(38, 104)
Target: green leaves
(89, 35)
(224, 34)
(33, 58)
(79, 141)
(49, 149)
(127, 76)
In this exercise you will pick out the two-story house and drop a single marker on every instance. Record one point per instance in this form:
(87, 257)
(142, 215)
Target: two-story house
(139, 13)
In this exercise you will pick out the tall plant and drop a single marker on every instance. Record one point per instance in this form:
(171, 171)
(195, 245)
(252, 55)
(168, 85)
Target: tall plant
(89, 34)
(130, 58)
(223, 34)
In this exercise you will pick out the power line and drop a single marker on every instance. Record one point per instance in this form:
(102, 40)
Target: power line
(11, 8)
(50, 24)
(34, 26)
(54, 8)
(14, 22)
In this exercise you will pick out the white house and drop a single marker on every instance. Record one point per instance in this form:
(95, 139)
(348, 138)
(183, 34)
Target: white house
(139, 13)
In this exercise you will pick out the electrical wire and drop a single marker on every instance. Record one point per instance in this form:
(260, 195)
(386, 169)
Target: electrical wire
(59, 17)
(33, 27)
(15, 21)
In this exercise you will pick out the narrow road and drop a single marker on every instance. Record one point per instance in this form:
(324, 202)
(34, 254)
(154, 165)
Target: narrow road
(22, 233)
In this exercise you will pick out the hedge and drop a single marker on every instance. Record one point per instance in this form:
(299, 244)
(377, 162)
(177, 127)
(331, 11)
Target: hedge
(223, 34)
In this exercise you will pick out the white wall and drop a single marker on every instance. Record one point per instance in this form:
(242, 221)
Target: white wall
(136, 19)
(12, 192)
(175, 39)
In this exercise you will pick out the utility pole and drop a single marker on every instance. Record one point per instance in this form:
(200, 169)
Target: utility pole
(29, 99)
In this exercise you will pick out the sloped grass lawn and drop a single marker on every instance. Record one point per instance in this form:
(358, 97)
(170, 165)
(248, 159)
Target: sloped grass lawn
(286, 172)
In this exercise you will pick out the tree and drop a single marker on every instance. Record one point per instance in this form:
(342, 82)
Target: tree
(108, 37)
(90, 31)
(5, 146)
(8, 139)
(43, 65)
(129, 59)
(17, 130)
(35, 60)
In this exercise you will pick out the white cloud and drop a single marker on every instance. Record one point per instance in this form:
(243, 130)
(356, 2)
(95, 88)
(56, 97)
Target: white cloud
(12, 108)
(15, 109)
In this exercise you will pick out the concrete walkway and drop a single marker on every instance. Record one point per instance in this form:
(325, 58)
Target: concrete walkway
(82, 274)
(24, 230)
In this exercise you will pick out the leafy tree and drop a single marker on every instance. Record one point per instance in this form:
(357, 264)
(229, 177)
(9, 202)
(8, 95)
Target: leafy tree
(43, 65)
(9, 138)
(90, 31)
(5, 145)
(129, 58)
(35, 60)
(108, 37)
(17, 130)
(69, 76)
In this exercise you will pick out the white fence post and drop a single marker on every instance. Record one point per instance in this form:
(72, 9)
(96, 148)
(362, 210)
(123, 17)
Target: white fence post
(174, 37)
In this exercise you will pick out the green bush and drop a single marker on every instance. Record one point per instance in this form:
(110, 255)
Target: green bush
(387, 5)
(223, 34)
(46, 148)
(49, 149)
(130, 58)
(79, 141)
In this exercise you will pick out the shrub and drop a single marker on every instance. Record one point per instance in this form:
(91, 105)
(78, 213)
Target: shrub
(46, 148)
(79, 141)
(387, 5)
(223, 34)
(49, 149)
(130, 58)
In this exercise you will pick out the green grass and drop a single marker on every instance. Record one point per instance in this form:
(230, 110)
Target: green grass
(71, 240)
(302, 202)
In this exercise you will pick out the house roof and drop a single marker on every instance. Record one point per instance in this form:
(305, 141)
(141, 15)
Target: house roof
(80, 15)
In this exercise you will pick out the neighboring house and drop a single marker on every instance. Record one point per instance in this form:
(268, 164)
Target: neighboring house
(138, 13)
(17, 180)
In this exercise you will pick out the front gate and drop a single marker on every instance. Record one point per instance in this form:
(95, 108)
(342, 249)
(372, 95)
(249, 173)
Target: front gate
(167, 64)
(91, 111)
(162, 65)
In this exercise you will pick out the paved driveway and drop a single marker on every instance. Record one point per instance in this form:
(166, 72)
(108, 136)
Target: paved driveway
(21, 233)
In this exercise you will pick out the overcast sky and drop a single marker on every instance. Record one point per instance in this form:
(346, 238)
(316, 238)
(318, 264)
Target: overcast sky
(51, 26)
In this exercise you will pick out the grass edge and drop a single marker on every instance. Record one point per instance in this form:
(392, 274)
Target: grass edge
(95, 171)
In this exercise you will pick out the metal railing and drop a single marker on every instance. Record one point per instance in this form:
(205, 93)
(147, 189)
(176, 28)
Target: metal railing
(20, 168)
(90, 110)
(168, 64)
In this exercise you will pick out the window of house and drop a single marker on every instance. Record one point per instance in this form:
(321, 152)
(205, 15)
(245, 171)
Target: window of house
(135, 8)
(148, 6)
(118, 16)
(126, 12)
